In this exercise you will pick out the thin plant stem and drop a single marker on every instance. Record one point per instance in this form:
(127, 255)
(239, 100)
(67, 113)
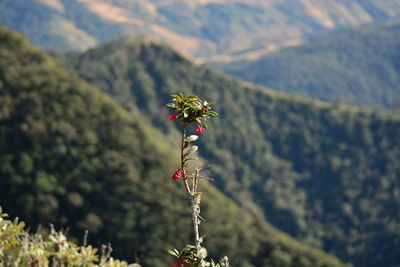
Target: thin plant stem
(185, 183)
(195, 202)
(192, 193)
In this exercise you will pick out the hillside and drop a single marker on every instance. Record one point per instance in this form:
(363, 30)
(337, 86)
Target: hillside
(327, 174)
(200, 28)
(71, 156)
(356, 66)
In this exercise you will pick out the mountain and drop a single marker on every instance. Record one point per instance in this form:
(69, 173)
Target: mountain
(200, 28)
(327, 174)
(71, 156)
(356, 66)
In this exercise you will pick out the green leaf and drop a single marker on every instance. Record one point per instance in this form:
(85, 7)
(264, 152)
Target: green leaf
(171, 105)
(188, 159)
(191, 150)
(173, 252)
(191, 138)
(177, 97)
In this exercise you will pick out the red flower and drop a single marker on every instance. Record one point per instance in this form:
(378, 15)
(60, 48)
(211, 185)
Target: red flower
(173, 116)
(199, 129)
(177, 263)
(177, 174)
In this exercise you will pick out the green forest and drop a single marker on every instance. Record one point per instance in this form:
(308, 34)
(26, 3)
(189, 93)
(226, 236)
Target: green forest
(327, 174)
(72, 156)
(355, 66)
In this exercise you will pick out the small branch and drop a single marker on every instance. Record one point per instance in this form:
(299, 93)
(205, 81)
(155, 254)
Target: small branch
(201, 218)
(196, 180)
(194, 185)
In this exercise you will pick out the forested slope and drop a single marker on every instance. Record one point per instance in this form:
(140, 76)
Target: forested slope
(327, 174)
(355, 66)
(71, 156)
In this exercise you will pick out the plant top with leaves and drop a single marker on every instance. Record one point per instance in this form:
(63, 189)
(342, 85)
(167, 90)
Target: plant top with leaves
(191, 110)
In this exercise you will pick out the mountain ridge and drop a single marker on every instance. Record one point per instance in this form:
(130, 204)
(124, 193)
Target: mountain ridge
(355, 66)
(197, 28)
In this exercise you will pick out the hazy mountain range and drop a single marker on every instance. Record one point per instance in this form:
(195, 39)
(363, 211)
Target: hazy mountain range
(356, 66)
(199, 28)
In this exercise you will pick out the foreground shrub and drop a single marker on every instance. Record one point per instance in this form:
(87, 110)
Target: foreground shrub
(20, 248)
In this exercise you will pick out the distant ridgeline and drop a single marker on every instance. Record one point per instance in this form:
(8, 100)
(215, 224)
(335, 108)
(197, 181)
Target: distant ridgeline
(327, 174)
(200, 28)
(72, 156)
(356, 66)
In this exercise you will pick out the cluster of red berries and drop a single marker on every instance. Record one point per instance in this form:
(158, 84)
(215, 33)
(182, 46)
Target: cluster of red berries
(199, 129)
(177, 263)
(173, 116)
(177, 174)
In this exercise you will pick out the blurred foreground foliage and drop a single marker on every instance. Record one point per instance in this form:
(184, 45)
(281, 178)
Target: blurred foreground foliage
(20, 248)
